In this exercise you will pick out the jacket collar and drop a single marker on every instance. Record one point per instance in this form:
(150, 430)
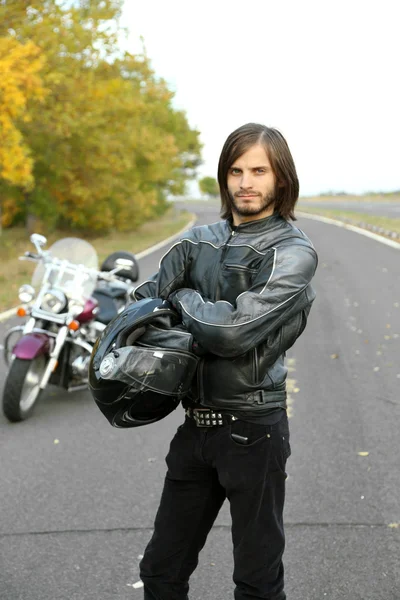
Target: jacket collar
(258, 225)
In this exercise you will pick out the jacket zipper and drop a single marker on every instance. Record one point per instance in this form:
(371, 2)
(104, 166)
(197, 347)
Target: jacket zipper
(233, 267)
(200, 369)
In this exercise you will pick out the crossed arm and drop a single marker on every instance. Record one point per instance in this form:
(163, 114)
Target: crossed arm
(280, 297)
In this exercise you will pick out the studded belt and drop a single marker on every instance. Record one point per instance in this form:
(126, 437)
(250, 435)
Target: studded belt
(208, 417)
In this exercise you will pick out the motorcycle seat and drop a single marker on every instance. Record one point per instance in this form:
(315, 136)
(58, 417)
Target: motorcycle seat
(107, 308)
(110, 291)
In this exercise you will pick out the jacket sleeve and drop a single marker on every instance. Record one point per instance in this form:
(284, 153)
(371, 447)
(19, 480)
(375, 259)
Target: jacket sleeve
(280, 340)
(147, 289)
(171, 275)
(279, 292)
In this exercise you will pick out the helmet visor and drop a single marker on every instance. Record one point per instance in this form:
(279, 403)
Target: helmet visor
(167, 372)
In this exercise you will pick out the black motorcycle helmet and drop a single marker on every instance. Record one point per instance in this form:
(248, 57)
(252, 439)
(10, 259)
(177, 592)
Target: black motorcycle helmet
(133, 384)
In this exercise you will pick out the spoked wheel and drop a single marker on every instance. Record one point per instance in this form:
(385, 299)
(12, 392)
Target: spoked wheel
(21, 388)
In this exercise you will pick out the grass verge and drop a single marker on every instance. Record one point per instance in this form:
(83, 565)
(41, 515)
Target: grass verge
(377, 198)
(355, 218)
(14, 242)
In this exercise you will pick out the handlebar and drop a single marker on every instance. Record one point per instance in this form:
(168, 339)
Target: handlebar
(30, 256)
(109, 275)
(100, 275)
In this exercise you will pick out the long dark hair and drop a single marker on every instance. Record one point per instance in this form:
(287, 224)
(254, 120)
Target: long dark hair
(277, 149)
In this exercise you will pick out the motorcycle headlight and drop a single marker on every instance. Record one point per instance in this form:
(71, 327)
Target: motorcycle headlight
(54, 301)
(26, 293)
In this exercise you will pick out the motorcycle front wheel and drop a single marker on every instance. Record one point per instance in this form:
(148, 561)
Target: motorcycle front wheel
(21, 388)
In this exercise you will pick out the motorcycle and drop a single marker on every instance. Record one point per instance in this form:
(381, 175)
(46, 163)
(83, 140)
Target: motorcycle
(73, 304)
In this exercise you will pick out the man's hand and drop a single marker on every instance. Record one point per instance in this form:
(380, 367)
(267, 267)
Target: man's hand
(172, 298)
(197, 349)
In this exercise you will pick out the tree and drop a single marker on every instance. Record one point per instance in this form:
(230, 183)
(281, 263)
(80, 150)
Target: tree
(107, 145)
(209, 185)
(20, 65)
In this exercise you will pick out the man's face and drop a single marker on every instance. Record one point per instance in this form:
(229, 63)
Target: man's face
(251, 185)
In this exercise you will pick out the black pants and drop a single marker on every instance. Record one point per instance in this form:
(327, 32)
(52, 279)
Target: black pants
(205, 466)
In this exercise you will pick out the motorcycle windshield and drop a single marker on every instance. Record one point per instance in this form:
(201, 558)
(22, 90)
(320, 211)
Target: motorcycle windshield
(69, 276)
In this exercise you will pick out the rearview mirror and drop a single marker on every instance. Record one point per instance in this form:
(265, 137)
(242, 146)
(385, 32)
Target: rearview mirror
(38, 240)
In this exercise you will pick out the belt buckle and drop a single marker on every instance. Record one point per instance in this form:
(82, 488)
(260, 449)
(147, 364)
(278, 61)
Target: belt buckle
(207, 418)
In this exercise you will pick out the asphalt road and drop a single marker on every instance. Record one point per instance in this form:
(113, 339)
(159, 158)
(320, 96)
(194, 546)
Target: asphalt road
(76, 515)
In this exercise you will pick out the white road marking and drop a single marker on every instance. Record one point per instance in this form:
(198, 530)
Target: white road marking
(137, 585)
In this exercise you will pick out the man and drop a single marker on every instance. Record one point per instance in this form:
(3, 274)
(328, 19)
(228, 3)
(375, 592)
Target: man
(242, 288)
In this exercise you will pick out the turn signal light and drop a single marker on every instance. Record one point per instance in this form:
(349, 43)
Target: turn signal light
(73, 326)
(21, 312)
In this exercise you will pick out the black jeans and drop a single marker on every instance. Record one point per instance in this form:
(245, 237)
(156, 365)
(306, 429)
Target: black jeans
(205, 466)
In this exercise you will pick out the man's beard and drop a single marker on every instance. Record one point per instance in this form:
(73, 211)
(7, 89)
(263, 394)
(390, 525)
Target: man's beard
(244, 211)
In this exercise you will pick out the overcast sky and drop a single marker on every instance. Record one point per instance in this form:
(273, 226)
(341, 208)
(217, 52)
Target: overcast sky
(325, 73)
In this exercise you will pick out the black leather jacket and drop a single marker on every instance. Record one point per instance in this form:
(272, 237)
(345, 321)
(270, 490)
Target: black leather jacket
(244, 294)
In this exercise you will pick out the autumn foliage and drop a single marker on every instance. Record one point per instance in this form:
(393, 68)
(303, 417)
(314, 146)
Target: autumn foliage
(89, 135)
(209, 186)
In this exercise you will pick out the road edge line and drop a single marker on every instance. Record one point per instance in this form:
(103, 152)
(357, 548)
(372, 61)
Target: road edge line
(166, 241)
(366, 232)
(11, 311)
